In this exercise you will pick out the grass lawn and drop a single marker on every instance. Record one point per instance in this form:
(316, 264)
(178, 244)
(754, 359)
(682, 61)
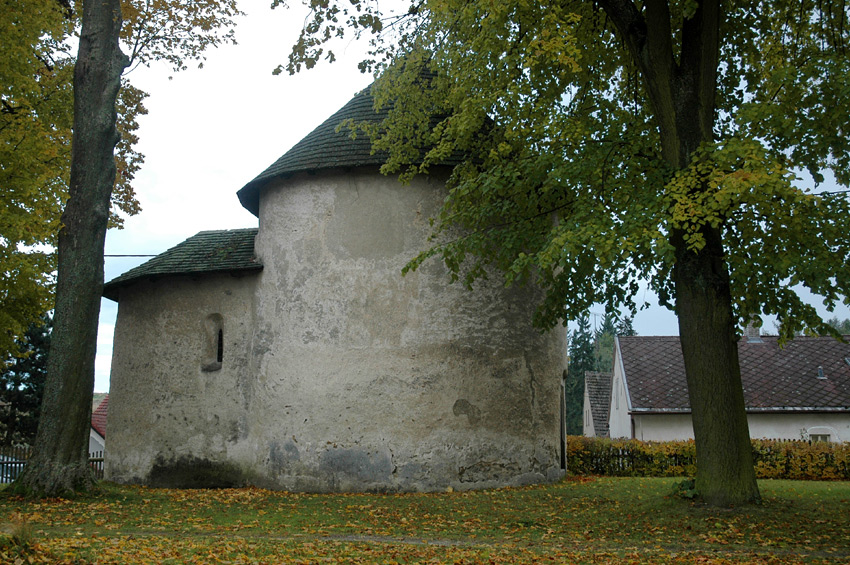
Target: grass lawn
(599, 520)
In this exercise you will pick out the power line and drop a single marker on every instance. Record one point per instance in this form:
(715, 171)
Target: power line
(129, 255)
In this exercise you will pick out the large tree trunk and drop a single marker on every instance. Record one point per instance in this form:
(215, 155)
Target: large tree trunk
(725, 473)
(59, 464)
(681, 88)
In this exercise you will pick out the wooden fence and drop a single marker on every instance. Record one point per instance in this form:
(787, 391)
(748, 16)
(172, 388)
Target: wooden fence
(14, 459)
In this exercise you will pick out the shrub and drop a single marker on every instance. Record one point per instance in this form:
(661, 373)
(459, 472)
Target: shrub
(773, 459)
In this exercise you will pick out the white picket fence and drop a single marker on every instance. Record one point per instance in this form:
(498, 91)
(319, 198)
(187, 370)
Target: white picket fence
(14, 459)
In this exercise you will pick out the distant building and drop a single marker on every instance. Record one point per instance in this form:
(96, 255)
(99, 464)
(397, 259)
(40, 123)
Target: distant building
(801, 391)
(597, 403)
(97, 435)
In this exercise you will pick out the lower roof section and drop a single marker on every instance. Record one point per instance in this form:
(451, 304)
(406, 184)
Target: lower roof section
(218, 251)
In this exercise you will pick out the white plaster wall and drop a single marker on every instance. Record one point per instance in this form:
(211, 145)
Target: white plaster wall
(96, 442)
(797, 425)
(619, 420)
(587, 424)
(364, 379)
(800, 425)
(163, 407)
(663, 427)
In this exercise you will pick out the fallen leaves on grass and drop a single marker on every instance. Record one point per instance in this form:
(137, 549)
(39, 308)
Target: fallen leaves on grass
(603, 521)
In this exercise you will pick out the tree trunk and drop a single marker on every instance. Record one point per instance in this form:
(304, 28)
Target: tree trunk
(725, 473)
(59, 464)
(681, 89)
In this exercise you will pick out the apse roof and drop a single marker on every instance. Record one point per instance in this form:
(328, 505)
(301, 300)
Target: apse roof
(330, 146)
(220, 251)
(326, 147)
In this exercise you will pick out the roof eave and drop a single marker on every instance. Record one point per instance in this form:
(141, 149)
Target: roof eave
(757, 410)
(249, 196)
(112, 291)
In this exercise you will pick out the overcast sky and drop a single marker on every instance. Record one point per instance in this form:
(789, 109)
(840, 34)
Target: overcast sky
(210, 131)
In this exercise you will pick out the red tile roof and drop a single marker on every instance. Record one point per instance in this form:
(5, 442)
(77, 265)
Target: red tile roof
(98, 417)
(774, 378)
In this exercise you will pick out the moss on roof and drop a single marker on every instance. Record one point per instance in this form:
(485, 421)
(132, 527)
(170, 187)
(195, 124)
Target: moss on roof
(220, 251)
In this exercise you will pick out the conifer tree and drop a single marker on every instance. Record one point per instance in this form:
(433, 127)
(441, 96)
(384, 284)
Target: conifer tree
(581, 359)
(22, 386)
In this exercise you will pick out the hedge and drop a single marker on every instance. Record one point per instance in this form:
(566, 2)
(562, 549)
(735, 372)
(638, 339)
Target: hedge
(774, 459)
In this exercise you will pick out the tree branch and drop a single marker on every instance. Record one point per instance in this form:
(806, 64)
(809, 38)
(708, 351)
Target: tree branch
(649, 41)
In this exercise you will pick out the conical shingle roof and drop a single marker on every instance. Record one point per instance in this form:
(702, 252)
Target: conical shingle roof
(330, 146)
(326, 147)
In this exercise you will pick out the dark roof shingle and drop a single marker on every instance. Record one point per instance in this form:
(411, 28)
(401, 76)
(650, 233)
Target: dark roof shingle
(220, 251)
(330, 146)
(774, 378)
(323, 148)
(599, 393)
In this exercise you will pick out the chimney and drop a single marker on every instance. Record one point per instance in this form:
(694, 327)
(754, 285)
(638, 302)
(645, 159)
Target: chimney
(753, 333)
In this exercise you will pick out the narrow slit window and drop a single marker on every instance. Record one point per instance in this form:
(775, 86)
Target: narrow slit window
(213, 354)
(219, 353)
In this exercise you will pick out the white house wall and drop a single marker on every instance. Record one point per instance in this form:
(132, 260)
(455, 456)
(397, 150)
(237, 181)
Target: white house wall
(587, 416)
(662, 427)
(619, 420)
(96, 442)
(793, 425)
(800, 425)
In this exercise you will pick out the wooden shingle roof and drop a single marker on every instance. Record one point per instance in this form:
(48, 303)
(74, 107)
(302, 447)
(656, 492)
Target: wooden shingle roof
(220, 251)
(330, 146)
(323, 148)
(808, 374)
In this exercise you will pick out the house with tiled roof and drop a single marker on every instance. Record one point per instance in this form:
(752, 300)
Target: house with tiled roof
(597, 403)
(296, 356)
(797, 391)
(97, 434)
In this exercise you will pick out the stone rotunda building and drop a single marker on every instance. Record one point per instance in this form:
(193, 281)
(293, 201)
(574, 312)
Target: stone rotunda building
(296, 356)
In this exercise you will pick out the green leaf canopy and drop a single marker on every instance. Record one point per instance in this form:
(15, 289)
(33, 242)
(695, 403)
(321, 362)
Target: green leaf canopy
(565, 179)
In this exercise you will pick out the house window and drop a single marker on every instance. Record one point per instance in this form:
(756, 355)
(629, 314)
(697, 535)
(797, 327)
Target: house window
(819, 437)
(213, 354)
